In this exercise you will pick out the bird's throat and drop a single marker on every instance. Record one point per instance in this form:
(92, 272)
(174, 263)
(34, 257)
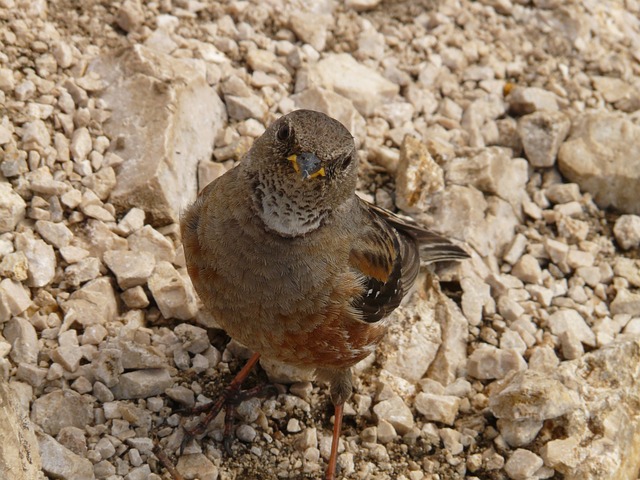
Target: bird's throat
(287, 216)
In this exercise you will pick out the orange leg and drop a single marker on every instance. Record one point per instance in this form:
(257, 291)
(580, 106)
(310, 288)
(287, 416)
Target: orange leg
(337, 427)
(231, 392)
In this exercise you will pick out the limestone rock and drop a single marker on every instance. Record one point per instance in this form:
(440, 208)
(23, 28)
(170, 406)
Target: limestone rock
(531, 395)
(438, 408)
(602, 155)
(418, 176)
(396, 412)
(19, 452)
(522, 465)
(173, 292)
(489, 362)
(15, 298)
(310, 27)
(451, 358)
(334, 105)
(570, 320)
(61, 408)
(179, 108)
(542, 133)
(362, 5)
(130, 268)
(60, 462)
(341, 73)
(607, 380)
(142, 384)
(12, 207)
(94, 303)
(493, 171)
(412, 341)
(148, 240)
(627, 231)
(41, 258)
(523, 100)
(196, 465)
(56, 234)
(24, 340)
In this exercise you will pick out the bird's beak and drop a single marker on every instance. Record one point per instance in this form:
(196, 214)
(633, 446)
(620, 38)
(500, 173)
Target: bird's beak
(308, 165)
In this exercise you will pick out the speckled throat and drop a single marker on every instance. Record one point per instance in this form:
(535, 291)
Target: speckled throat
(290, 214)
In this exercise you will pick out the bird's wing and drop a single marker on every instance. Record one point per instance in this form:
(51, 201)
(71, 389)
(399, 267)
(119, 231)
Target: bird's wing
(389, 262)
(433, 247)
(387, 252)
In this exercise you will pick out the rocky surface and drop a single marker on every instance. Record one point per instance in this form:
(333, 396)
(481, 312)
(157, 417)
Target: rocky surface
(509, 125)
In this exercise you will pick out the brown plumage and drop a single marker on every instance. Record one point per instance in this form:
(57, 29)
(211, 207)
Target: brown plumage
(292, 263)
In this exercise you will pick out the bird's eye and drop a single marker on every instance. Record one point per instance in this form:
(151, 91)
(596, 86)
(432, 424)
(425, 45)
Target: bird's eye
(284, 132)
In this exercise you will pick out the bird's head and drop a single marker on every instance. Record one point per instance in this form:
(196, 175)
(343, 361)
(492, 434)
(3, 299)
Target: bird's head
(305, 163)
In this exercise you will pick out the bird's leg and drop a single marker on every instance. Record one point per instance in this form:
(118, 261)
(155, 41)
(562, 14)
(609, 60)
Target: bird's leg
(335, 440)
(340, 388)
(230, 397)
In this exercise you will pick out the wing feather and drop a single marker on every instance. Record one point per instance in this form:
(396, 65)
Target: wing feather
(387, 253)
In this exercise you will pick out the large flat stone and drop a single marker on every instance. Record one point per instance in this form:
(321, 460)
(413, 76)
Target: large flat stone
(167, 117)
(602, 155)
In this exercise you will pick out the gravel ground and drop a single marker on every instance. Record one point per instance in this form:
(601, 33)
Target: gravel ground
(512, 126)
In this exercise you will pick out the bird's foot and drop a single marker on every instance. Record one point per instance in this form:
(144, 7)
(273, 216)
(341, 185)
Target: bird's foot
(230, 398)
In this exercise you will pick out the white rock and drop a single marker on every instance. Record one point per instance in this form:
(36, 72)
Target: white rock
(142, 384)
(41, 181)
(396, 412)
(627, 231)
(516, 249)
(625, 302)
(531, 395)
(107, 366)
(522, 465)
(56, 234)
(518, 433)
(12, 207)
(334, 105)
(310, 27)
(563, 454)
(493, 171)
(362, 5)
(94, 303)
(570, 320)
(523, 100)
(197, 465)
(15, 298)
(194, 339)
(20, 456)
(60, 462)
(173, 293)
(130, 268)
(149, 240)
(437, 408)
(24, 340)
(341, 73)
(452, 440)
(158, 176)
(80, 144)
(602, 156)
(242, 108)
(542, 133)
(35, 135)
(528, 270)
(418, 176)
(61, 408)
(451, 358)
(41, 257)
(490, 362)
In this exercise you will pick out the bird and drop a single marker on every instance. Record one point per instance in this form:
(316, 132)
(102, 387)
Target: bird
(294, 265)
